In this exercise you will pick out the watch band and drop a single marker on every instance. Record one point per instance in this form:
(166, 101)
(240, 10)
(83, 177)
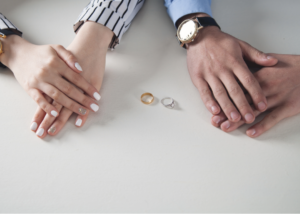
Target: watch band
(204, 22)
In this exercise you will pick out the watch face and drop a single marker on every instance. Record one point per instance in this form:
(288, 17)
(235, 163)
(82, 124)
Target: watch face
(187, 30)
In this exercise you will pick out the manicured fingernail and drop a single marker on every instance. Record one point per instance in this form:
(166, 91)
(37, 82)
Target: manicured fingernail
(261, 106)
(234, 115)
(214, 109)
(97, 96)
(82, 111)
(216, 119)
(226, 125)
(33, 126)
(78, 66)
(52, 130)
(249, 117)
(40, 132)
(78, 122)
(251, 132)
(94, 107)
(54, 113)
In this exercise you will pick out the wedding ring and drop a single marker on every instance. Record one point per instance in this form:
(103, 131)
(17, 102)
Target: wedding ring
(147, 98)
(168, 102)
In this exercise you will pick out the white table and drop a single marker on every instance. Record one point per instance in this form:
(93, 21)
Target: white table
(130, 157)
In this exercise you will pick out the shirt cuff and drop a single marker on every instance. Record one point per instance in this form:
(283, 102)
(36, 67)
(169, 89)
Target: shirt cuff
(117, 15)
(7, 28)
(180, 8)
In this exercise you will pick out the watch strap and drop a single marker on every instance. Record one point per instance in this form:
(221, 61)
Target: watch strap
(207, 21)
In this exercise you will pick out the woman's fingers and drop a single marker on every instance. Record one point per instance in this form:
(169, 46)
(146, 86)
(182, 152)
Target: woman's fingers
(206, 95)
(62, 99)
(68, 58)
(80, 120)
(76, 94)
(60, 122)
(47, 122)
(39, 98)
(82, 83)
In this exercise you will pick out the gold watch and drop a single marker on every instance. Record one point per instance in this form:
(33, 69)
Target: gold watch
(1, 46)
(189, 28)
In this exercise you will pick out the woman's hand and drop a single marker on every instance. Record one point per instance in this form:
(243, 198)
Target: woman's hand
(90, 46)
(49, 69)
(281, 86)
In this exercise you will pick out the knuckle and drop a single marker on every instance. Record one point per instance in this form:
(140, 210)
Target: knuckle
(234, 90)
(219, 91)
(249, 80)
(67, 89)
(54, 94)
(72, 106)
(204, 91)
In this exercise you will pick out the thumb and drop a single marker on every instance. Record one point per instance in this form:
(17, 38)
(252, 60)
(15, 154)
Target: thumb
(257, 56)
(68, 58)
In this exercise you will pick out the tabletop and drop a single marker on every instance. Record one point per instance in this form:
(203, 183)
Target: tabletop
(131, 157)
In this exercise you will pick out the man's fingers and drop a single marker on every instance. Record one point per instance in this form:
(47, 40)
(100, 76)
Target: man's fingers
(257, 56)
(250, 83)
(60, 122)
(238, 96)
(268, 122)
(68, 58)
(217, 120)
(221, 96)
(39, 98)
(207, 96)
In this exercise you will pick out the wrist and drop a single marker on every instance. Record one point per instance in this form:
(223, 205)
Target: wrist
(189, 16)
(12, 46)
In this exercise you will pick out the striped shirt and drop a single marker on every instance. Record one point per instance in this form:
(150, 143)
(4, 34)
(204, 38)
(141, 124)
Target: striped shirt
(6, 27)
(117, 15)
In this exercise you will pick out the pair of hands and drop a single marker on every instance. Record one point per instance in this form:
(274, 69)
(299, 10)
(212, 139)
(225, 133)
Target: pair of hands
(216, 63)
(52, 76)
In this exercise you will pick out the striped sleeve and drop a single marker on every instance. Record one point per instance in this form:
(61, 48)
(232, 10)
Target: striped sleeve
(117, 15)
(7, 28)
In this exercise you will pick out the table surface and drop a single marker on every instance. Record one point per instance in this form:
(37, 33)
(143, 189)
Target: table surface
(131, 157)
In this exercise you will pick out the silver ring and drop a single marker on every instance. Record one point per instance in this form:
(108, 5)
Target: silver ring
(170, 104)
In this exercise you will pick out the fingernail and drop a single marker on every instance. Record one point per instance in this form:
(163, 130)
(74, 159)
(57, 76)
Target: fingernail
(261, 106)
(33, 126)
(234, 115)
(94, 107)
(52, 130)
(226, 125)
(251, 132)
(214, 109)
(97, 96)
(78, 122)
(40, 132)
(82, 111)
(270, 57)
(54, 113)
(249, 117)
(78, 66)
(216, 119)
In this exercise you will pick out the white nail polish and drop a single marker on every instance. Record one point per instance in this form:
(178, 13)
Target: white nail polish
(78, 122)
(78, 66)
(40, 132)
(54, 113)
(97, 96)
(94, 107)
(33, 126)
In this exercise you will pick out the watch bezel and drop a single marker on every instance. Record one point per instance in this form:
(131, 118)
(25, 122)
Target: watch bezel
(196, 29)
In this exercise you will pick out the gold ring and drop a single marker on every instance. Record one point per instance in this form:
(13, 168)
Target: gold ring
(147, 102)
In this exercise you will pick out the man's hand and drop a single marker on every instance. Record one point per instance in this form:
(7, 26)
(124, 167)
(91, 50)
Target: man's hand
(216, 65)
(49, 69)
(90, 47)
(281, 86)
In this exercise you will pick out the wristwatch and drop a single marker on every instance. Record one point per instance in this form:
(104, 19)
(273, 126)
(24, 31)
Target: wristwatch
(1, 46)
(189, 28)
